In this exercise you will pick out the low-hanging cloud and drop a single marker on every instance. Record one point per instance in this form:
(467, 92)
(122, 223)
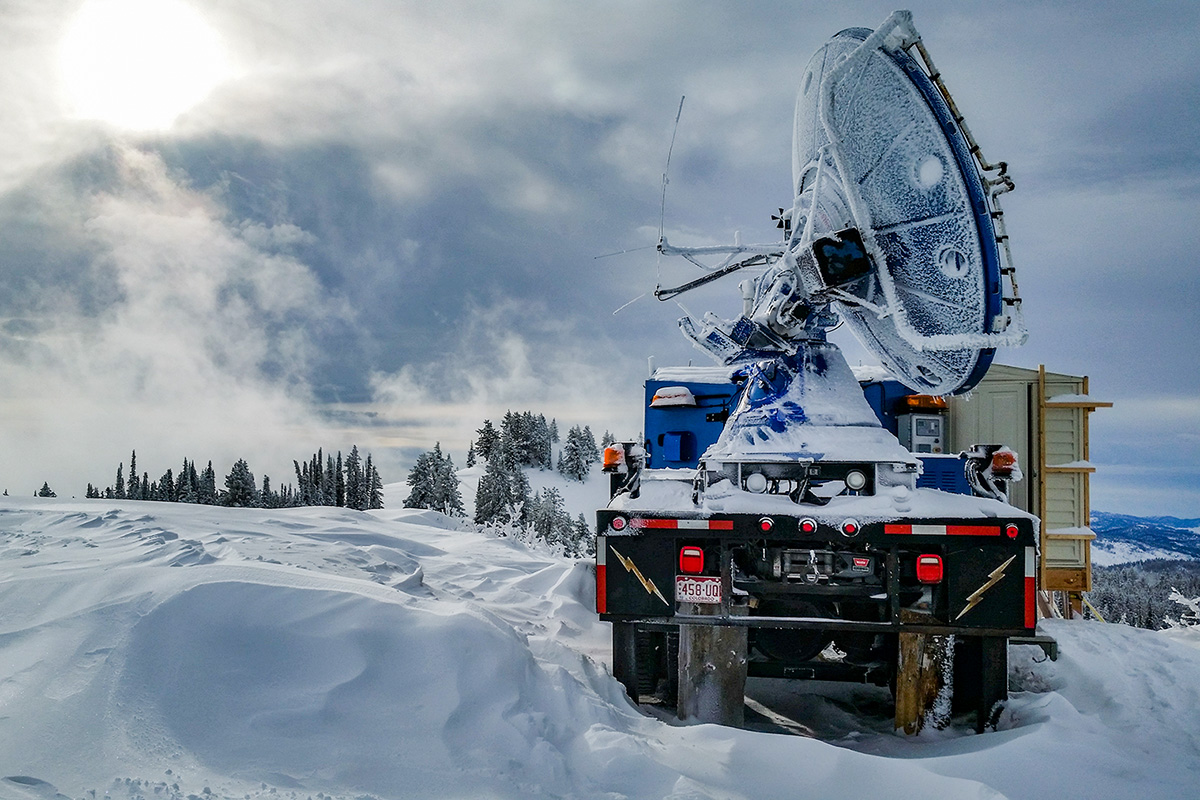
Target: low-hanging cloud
(203, 353)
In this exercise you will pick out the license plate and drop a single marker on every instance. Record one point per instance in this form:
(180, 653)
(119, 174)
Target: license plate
(697, 589)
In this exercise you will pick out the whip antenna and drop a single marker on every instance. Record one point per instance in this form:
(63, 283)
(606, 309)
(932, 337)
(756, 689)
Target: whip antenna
(662, 215)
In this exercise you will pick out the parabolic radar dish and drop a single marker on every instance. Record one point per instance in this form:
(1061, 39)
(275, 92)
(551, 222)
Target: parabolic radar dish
(880, 149)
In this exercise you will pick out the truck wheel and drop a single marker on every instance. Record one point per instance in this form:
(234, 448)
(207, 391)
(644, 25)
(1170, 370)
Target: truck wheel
(790, 645)
(646, 662)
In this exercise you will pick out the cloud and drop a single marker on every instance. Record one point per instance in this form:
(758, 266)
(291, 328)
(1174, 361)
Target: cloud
(203, 351)
(494, 369)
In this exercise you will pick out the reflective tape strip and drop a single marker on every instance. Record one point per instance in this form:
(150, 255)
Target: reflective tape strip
(601, 575)
(1030, 588)
(684, 524)
(943, 530)
(601, 589)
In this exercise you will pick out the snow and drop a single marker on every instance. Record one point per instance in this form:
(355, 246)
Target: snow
(159, 650)
(1072, 533)
(1071, 398)
(675, 496)
(1107, 553)
(808, 406)
(1079, 465)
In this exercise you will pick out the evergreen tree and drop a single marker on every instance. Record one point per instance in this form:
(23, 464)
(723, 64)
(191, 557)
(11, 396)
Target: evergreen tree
(542, 443)
(584, 540)
(46, 491)
(503, 493)
(548, 517)
(574, 460)
(487, 441)
(119, 486)
(208, 486)
(471, 455)
(166, 487)
(606, 440)
(590, 449)
(329, 482)
(266, 497)
(135, 489)
(340, 482)
(356, 486)
(187, 490)
(434, 484)
(240, 489)
(91, 492)
(374, 486)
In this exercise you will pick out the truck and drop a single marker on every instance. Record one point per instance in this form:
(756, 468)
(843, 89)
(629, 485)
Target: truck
(823, 565)
(779, 518)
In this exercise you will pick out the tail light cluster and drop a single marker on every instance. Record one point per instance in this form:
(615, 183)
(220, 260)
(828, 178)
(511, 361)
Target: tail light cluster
(930, 568)
(691, 560)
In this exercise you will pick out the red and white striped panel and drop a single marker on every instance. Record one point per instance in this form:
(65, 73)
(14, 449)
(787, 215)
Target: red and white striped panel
(601, 575)
(943, 530)
(1030, 588)
(684, 524)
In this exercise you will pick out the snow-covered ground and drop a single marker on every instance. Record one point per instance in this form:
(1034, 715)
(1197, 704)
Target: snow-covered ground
(157, 650)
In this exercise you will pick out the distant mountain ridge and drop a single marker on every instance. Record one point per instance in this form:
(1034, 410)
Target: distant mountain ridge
(1123, 538)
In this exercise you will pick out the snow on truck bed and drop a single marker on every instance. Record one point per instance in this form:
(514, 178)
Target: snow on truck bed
(164, 651)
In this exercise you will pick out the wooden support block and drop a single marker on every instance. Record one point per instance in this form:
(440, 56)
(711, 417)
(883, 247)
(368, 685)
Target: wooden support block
(921, 669)
(712, 669)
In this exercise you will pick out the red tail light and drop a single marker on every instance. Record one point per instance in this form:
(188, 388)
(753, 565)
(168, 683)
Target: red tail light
(691, 560)
(766, 524)
(929, 568)
(850, 527)
(1012, 531)
(808, 525)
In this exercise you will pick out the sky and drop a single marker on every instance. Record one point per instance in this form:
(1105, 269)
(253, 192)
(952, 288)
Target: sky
(251, 229)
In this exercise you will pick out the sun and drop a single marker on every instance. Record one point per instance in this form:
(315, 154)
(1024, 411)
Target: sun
(139, 64)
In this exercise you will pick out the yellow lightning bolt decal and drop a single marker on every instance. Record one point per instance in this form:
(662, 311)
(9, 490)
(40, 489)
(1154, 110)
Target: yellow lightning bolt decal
(993, 578)
(629, 566)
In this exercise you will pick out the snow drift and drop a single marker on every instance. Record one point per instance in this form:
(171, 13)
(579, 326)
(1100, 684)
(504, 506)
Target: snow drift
(160, 651)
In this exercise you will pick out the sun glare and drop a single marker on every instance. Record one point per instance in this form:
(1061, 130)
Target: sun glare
(139, 64)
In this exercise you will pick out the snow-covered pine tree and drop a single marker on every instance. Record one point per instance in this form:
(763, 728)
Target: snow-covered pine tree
(374, 486)
(584, 540)
(491, 495)
(241, 491)
(119, 485)
(357, 489)
(573, 459)
(421, 480)
(502, 497)
(487, 441)
(591, 451)
(208, 486)
(340, 484)
(548, 517)
(166, 487)
(329, 481)
(471, 454)
(543, 445)
(134, 490)
(186, 488)
(46, 491)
